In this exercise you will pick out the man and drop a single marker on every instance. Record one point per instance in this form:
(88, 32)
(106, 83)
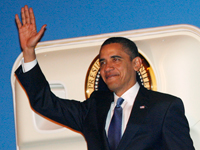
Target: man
(150, 120)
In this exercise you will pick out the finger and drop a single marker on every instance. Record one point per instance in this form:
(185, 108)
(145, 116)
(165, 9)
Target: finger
(27, 17)
(23, 16)
(41, 32)
(32, 17)
(18, 21)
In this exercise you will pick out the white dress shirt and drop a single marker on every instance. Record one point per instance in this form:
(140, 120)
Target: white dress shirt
(28, 66)
(129, 98)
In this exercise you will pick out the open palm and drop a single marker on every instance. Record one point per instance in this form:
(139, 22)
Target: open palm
(28, 34)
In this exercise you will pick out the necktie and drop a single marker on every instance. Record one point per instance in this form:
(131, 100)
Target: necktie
(114, 131)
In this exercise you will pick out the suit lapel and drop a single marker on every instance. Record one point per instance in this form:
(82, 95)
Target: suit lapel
(137, 116)
(103, 106)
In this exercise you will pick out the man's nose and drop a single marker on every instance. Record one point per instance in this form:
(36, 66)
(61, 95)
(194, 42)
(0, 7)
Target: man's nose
(108, 67)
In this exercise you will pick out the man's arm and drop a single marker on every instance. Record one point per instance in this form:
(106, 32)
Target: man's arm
(67, 112)
(28, 34)
(176, 129)
(28, 66)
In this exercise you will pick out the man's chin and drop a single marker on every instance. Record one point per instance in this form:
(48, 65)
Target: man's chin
(112, 87)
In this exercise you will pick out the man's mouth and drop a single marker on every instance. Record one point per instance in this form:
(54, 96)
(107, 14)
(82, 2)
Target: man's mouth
(110, 76)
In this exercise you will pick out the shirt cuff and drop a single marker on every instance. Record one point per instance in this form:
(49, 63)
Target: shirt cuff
(28, 66)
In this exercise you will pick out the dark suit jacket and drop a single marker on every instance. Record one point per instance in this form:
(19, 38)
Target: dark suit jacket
(160, 124)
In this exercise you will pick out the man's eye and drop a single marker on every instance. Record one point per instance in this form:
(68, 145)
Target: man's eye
(116, 59)
(102, 63)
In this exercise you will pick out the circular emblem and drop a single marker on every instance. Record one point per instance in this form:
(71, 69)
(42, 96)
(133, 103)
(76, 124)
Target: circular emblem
(94, 82)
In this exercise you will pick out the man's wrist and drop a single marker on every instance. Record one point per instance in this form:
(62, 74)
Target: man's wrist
(28, 66)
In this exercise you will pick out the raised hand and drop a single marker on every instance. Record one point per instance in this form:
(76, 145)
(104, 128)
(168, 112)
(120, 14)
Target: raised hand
(28, 34)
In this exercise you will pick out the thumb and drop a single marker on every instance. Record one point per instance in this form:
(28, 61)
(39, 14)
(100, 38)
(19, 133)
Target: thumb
(41, 32)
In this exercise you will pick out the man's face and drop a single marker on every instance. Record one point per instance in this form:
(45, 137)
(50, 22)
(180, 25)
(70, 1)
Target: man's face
(117, 70)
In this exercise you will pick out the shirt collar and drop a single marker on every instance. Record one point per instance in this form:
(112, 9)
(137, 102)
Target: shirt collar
(129, 95)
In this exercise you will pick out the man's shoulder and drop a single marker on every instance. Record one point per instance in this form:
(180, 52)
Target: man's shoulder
(157, 95)
(156, 99)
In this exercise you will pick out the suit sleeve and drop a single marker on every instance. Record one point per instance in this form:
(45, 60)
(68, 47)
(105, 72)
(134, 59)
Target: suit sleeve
(176, 129)
(67, 112)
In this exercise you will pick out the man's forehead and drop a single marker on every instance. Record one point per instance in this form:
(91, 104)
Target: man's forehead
(111, 52)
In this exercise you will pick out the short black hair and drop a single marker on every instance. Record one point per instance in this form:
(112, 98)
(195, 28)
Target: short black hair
(129, 46)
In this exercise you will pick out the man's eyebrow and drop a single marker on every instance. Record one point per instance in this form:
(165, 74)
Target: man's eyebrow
(101, 59)
(116, 56)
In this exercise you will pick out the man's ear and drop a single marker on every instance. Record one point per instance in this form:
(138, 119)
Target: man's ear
(137, 62)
